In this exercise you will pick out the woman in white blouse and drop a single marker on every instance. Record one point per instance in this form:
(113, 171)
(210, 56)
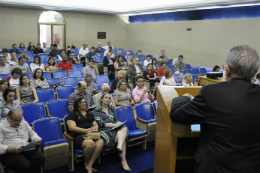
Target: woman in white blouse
(37, 64)
(14, 80)
(167, 79)
(187, 80)
(37, 81)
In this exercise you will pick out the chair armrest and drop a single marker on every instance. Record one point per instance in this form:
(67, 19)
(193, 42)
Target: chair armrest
(68, 136)
(141, 120)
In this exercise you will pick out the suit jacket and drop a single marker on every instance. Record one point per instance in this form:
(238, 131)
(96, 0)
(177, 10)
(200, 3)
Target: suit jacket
(230, 126)
(106, 61)
(132, 71)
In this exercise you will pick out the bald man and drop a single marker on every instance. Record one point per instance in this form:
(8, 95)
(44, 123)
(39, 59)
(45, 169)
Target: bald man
(105, 88)
(82, 87)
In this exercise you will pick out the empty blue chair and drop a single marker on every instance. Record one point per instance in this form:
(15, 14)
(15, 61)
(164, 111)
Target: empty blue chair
(78, 67)
(71, 81)
(102, 79)
(145, 112)
(76, 51)
(45, 63)
(33, 111)
(171, 67)
(54, 147)
(99, 85)
(4, 76)
(194, 77)
(195, 71)
(203, 71)
(64, 91)
(30, 74)
(52, 81)
(58, 108)
(98, 59)
(60, 74)
(45, 94)
(46, 75)
(188, 65)
(75, 73)
(126, 113)
(186, 71)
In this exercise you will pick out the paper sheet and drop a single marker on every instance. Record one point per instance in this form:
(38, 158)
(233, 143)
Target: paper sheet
(30, 146)
(119, 125)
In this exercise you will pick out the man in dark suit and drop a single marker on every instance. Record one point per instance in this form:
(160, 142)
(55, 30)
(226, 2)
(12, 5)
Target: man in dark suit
(135, 69)
(228, 116)
(109, 62)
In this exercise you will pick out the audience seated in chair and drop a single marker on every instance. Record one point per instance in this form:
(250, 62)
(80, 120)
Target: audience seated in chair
(177, 76)
(167, 79)
(107, 50)
(150, 74)
(51, 66)
(99, 49)
(83, 50)
(187, 80)
(107, 119)
(128, 57)
(139, 55)
(91, 69)
(14, 80)
(196, 82)
(14, 49)
(175, 61)
(64, 64)
(79, 122)
(257, 81)
(91, 87)
(109, 62)
(216, 68)
(25, 56)
(159, 63)
(37, 81)
(135, 69)
(120, 75)
(23, 66)
(180, 64)
(37, 64)
(111, 51)
(15, 132)
(82, 87)
(49, 49)
(104, 89)
(31, 47)
(140, 93)
(8, 103)
(6, 55)
(21, 47)
(25, 93)
(161, 70)
(163, 55)
(14, 60)
(4, 84)
(122, 95)
(147, 61)
(44, 47)
(5, 68)
(54, 52)
(155, 64)
(121, 64)
(38, 49)
(59, 57)
(107, 46)
(91, 54)
(72, 58)
(120, 53)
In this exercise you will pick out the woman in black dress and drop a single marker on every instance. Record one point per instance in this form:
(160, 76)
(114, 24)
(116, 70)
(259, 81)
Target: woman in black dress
(80, 122)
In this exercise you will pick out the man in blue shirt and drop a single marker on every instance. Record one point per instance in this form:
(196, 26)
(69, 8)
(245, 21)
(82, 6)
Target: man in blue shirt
(54, 52)
(99, 49)
(139, 55)
(177, 76)
(91, 54)
(14, 46)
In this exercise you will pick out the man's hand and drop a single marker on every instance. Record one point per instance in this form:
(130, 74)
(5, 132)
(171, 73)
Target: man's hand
(145, 90)
(94, 128)
(14, 150)
(180, 79)
(188, 95)
(38, 141)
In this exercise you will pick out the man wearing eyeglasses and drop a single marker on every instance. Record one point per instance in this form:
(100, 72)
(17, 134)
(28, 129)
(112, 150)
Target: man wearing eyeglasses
(15, 132)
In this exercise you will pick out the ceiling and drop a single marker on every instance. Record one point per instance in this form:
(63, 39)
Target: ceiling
(125, 7)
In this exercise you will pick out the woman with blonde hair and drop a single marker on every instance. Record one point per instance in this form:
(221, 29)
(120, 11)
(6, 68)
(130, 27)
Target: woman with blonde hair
(187, 80)
(167, 79)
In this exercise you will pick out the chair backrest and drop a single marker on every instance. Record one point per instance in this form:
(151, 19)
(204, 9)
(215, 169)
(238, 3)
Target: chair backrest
(132, 53)
(195, 71)
(58, 108)
(52, 81)
(102, 79)
(64, 91)
(115, 49)
(57, 62)
(75, 73)
(30, 74)
(33, 111)
(98, 59)
(186, 71)
(48, 129)
(120, 49)
(71, 81)
(66, 128)
(42, 54)
(76, 51)
(126, 113)
(60, 74)
(171, 67)
(30, 55)
(44, 63)
(78, 67)
(17, 55)
(203, 71)
(144, 111)
(4, 76)
(46, 75)
(28, 63)
(188, 65)
(99, 86)
(45, 94)
(141, 63)
(144, 67)
(194, 77)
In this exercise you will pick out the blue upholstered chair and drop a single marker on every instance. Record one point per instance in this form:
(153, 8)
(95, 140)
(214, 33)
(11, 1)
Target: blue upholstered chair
(64, 91)
(33, 111)
(203, 71)
(58, 108)
(171, 67)
(186, 71)
(30, 74)
(195, 71)
(99, 86)
(76, 51)
(60, 74)
(52, 81)
(44, 63)
(75, 73)
(78, 67)
(53, 146)
(194, 77)
(45, 94)
(4, 76)
(136, 136)
(46, 75)
(188, 65)
(71, 81)
(102, 79)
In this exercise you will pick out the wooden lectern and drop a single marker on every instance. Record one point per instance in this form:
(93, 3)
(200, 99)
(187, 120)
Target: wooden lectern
(173, 141)
(204, 79)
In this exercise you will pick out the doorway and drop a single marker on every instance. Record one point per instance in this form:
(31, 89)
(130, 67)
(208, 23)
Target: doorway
(52, 29)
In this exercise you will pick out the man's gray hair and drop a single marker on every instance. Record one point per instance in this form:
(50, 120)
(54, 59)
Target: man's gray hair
(103, 86)
(88, 76)
(119, 51)
(243, 61)
(119, 83)
(121, 71)
(13, 110)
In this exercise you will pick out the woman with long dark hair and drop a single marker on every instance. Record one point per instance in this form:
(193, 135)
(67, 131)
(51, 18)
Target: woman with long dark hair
(37, 81)
(31, 47)
(37, 64)
(3, 85)
(51, 66)
(21, 47)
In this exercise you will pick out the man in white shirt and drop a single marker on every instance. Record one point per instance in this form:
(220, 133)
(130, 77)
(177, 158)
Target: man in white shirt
(15, 133)
(4, 67)
(13, 60)
(163, 55)
(147, 61)
(108, 45)
(6, 54)
(44, 46)
(128, 56)
(83, 50)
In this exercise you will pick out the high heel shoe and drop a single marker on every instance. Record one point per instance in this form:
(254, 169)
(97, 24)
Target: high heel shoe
(128, 170)
(119, 150)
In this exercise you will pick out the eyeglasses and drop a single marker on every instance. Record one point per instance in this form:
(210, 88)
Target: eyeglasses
(140, 81)
(16, 121)
(123, 84)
